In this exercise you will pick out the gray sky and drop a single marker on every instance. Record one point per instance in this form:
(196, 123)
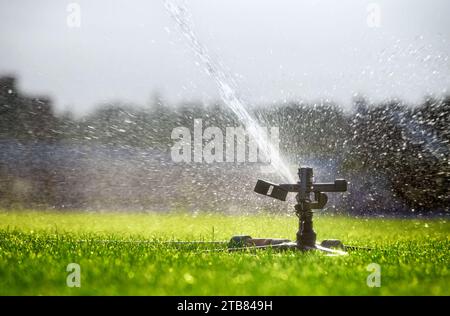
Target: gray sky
(277, 50)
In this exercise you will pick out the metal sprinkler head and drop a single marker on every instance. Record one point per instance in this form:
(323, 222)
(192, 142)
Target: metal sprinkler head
(310, 196)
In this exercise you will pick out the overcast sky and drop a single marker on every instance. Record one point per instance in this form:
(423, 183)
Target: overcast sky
(277, 50)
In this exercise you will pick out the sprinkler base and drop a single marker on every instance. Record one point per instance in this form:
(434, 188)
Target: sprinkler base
(240, 243)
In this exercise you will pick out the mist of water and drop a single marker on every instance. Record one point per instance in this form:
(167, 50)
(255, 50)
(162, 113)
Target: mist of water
(227, 89)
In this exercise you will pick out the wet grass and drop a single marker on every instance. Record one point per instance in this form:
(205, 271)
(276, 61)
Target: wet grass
(126, 254)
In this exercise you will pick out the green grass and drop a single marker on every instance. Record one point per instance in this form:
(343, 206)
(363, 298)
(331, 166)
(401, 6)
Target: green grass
(36, 247)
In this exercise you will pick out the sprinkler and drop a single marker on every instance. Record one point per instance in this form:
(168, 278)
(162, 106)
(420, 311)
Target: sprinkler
(310, 196)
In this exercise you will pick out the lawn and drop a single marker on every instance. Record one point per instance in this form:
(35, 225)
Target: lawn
(126, 254)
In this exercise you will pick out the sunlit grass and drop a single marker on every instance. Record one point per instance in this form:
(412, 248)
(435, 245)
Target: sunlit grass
(35, 248)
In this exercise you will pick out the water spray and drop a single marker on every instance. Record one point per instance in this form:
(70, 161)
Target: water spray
(227, 88)
(305, 187)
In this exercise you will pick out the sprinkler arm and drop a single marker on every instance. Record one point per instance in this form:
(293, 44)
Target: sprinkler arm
(339, 185)
(280, 191)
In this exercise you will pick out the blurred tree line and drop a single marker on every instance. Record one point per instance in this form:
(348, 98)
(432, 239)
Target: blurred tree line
(406, 146)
